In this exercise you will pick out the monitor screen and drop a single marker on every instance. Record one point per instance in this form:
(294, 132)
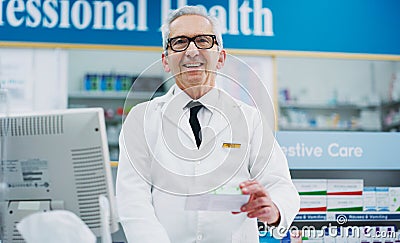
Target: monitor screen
(55, 160)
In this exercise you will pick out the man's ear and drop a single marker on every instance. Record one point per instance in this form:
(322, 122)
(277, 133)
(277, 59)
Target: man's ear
(165, 63)
(221, 59)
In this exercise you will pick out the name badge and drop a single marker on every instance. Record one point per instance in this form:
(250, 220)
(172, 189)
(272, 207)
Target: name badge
(231, 145)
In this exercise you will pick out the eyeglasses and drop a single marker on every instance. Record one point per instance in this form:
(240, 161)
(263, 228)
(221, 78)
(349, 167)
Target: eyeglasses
(181, 43)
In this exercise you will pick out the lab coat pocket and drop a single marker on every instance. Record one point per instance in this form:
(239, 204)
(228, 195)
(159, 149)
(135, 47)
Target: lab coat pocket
(235, 155)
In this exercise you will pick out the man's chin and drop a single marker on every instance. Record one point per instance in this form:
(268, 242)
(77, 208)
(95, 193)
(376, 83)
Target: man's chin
(195, 79)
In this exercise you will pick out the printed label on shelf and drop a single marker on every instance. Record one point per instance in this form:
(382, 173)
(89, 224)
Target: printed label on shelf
(347, 217)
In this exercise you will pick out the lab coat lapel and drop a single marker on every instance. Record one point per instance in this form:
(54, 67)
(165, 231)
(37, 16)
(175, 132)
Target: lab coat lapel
(172, 113)
(222, 117)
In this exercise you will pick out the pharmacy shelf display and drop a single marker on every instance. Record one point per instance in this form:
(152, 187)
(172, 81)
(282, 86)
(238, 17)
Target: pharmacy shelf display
(368, 158)
(339, 117)
(348, 216)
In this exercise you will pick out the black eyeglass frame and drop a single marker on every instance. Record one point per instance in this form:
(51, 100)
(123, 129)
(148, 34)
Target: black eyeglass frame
(192, 39)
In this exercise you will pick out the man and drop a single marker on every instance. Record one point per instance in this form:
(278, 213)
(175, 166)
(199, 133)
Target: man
(196, 139)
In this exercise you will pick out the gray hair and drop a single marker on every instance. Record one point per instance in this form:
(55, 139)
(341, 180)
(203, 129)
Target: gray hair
(190, 10)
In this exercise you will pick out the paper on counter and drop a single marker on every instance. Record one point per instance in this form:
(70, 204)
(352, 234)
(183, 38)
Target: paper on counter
(216, 202)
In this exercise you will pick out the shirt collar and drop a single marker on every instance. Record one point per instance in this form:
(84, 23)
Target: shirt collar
(209, 100)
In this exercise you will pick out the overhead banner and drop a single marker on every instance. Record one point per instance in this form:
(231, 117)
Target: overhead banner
(345, 150)
(355, 26)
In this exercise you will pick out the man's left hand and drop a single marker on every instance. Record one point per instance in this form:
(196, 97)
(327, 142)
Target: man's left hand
(260, 204)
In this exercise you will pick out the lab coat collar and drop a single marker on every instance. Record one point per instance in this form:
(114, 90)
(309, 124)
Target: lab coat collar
(217, 101)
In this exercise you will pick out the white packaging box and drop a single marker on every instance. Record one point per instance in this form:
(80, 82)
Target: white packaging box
(312, 203)
(394, 198)
(345, 186)
(313, 240)
(329, 239)
(352, 239)
(344, 203)
(382, 198)
(369, 199)
(340, 239)
(310, 186)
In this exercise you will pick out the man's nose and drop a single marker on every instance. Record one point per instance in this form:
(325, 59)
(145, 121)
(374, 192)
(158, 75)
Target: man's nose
(192, 50)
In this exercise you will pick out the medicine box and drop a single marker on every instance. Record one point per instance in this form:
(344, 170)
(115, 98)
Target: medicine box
(345, 187)
(394, 199)
(344, 203)
(312, 203)
(382, 198)
(369, 199)
(310, 186)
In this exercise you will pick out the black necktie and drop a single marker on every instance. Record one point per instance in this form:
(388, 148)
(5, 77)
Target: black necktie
(194, 122)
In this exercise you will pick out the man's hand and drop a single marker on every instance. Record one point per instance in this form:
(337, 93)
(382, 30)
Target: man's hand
(260, 204)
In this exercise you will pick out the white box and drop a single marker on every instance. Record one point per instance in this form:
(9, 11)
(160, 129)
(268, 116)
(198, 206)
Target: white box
(394, 198)
(345, 187)
(382, 198)
(310, 186)
(329, 239)
(344, 203)
(369, 199)
(312, 203)
(313, 240)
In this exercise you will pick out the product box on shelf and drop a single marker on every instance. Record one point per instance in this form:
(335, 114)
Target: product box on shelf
(312, 203)
(310, 186)
(369, 199)
(394, 199)
(344, 187)
(382, 198)
(107, 82)
(344, 203)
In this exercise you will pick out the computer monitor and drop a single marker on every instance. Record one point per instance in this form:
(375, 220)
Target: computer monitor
(55, 160)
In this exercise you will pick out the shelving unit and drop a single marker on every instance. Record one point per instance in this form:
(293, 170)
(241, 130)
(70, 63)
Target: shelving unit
(321, 220)
(391, 116)
(348, 217)
(378, 166)
(370, 177)
(339, 117)
(140, 95)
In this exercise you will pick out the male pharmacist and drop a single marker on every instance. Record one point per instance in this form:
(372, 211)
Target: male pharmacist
(193, 141)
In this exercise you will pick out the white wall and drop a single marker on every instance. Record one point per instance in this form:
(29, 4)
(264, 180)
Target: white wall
(36, 79)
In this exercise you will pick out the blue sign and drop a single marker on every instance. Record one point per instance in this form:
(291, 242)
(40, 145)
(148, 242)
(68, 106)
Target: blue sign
(355, 26)
(310, 217)
(346, 150)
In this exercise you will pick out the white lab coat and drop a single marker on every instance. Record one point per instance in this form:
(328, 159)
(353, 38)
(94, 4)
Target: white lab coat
(160, 165)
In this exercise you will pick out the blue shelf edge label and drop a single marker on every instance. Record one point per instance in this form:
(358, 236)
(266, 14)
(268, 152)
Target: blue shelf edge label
(310, 217)
(347, 217)
(367, 217)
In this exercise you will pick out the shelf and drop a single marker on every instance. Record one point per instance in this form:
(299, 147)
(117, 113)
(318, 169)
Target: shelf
(112, 95)
(391, 126)
(302, 128)
(327, 106)
(347, 216)
(390, 104)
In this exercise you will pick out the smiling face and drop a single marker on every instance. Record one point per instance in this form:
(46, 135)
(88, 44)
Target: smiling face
(194, 69)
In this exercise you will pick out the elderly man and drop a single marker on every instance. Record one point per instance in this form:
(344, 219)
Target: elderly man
(193, 140)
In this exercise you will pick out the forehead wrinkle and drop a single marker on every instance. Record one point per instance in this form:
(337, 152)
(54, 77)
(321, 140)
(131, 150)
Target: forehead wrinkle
(179, 27)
